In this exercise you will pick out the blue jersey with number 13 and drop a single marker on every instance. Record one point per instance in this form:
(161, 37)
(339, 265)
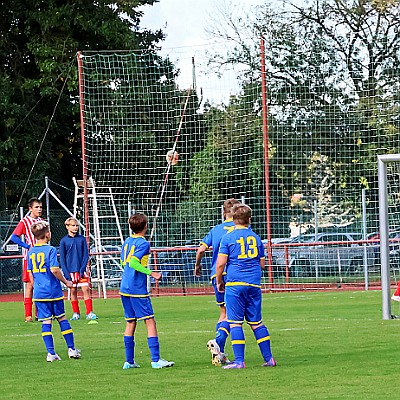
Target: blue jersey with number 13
(244, 250)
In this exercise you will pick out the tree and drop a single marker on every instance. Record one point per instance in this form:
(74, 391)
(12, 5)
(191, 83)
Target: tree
(38, 78)
(333, 90)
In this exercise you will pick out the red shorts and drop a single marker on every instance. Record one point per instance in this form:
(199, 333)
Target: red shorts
(78, 280)
(25, 274)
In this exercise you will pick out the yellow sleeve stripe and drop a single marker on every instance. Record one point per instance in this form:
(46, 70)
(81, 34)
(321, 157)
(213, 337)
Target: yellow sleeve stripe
(263, 339)
(66, 332)
(202, 243)
(223, 254)
(238, 342)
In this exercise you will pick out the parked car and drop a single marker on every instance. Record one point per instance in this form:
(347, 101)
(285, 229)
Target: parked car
(323, 254)
(177, 265)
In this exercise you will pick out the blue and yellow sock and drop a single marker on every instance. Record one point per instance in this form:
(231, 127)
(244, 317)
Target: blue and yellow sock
(238, 343)
(263, 340)
(129, 342)
(223, 329)
(66, 331)
(47, 337)
(154, 347)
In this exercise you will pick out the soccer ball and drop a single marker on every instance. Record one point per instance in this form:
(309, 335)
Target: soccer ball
(172, 157)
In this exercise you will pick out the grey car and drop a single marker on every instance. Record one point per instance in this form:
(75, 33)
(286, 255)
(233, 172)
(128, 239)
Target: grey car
(323, 254)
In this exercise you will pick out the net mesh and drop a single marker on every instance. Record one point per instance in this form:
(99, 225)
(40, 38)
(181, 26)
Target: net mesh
(135, 112)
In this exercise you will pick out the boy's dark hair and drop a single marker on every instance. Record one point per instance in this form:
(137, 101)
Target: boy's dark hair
(39, 229)
(32, 201)
(137, 222)
(228, 204)
(241, 214)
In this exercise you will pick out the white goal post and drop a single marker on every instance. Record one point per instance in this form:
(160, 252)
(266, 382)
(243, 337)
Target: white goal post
(383, 162)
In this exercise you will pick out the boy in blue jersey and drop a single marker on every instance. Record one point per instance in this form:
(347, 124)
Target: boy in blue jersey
(74, 257)
(135, 296)
(241, 256)
(45, 276)
(213, 239)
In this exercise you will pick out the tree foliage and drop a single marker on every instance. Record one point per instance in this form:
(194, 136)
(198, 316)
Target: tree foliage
(38, 45)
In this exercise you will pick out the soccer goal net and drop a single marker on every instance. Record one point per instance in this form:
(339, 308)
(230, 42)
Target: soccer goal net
(135, 114)
(389, 216)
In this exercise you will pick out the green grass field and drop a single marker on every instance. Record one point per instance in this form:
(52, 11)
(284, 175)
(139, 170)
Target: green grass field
(327, 346)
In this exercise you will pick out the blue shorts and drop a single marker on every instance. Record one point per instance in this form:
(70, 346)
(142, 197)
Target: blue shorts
(243, 303)
(50, 309)
(137, 308)
(219, 297)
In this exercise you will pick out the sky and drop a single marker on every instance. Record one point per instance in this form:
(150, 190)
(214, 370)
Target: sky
(184, 23)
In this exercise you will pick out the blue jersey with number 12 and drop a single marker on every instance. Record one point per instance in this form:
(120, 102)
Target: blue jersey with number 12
(42, 259)
(244, 250)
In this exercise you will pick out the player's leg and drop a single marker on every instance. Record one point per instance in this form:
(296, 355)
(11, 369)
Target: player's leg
(87, 298)
(222, 331)
(235, 309)
(396, 294)
(144, 311)
(254, 318)
(45, 316)
(217, 346)
(28, 293)
(66, 330)
(88, 302)
(75, 303)
(129, 334)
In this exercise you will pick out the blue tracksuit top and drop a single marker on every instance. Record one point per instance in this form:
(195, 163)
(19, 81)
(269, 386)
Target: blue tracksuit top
(74, 254)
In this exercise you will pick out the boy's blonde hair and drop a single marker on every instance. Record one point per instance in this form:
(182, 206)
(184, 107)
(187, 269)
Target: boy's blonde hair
(228, 204)
(39, 229)
(69, 220)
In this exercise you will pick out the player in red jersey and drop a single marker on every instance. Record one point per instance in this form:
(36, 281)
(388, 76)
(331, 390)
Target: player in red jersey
(24, 229)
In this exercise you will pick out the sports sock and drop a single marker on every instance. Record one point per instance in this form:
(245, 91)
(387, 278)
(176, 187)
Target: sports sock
(397, 292)
(47, 337)
(75, 306)
(89, 306)
(223, 329)
(238, 343)
(28, 307)
(263, 340)
(129, 342)
(154, 347)
(66, 331)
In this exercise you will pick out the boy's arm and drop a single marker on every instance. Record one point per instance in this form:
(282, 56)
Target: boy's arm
(135, 264)
(85, 257)
(221, 262)
(63, 260)
(14, 238)
(31, 277)
(56, 271)
(199, 256)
